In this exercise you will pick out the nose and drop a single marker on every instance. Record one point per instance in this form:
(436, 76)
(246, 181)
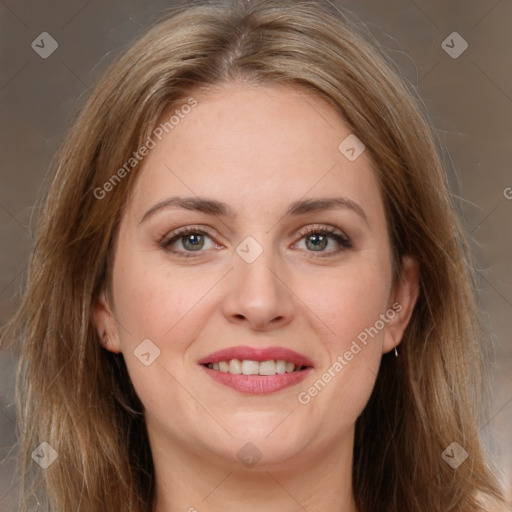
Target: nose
(257, 295)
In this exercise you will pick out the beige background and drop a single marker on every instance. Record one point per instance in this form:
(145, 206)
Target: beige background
(469, 99)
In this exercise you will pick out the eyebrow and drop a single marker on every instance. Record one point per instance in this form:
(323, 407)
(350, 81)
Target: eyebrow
(218, 209)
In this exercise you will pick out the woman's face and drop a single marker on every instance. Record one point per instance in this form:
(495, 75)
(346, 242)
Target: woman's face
(288, 250)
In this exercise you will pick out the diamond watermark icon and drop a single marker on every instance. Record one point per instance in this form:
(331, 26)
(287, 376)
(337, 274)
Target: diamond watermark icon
(147, 352)
(454, 455)
(351, 147)
(249, 454)
(45, 455)
(454, 45)
(44, 45)
(249, 249)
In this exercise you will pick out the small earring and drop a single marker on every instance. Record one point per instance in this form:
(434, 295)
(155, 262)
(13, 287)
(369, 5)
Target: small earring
(104, 340)
(396, 352)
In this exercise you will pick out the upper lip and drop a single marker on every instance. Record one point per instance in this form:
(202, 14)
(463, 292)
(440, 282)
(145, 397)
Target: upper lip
(257, 354)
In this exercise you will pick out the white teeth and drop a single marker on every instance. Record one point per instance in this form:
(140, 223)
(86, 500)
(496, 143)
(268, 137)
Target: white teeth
(267, 368)
(235, 366)
(280, 366)
(250, 367)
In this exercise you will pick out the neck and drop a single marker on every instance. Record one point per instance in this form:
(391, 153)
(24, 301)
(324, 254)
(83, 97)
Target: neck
(190, 481)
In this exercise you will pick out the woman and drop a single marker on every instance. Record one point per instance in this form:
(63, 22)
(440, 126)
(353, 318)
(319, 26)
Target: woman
(248, 265)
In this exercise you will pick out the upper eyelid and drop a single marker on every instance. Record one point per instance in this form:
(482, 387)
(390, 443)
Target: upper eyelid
(183, 231)
(332, 230)
(209, 230)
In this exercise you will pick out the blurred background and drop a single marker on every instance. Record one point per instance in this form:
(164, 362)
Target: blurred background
(456, 53)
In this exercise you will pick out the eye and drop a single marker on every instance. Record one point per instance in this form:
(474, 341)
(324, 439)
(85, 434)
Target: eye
(188, 239)
(317, 239)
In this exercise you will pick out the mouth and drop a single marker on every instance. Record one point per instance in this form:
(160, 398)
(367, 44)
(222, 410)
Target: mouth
(252, 367)
(257, 370)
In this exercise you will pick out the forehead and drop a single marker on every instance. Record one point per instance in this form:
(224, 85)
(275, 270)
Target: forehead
(252, 147)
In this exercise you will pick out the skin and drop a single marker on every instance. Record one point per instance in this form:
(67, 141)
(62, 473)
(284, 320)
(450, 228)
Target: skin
(257, 149)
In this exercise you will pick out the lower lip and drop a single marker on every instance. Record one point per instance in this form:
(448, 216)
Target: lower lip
(258, 384)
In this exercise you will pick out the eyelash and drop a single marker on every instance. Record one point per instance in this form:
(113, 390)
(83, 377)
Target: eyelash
(176, 235)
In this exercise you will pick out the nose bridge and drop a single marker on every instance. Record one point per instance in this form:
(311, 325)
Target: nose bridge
(257, 292)
(254, 263)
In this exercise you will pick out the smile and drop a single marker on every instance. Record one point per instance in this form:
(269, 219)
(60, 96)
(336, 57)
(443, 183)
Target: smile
(250, 367)
(256, 370)
(256, 384)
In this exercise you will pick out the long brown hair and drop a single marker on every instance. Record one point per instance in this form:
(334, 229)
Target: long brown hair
(78, 397)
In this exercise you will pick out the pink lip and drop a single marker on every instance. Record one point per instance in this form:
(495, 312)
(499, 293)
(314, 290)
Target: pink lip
(258, 384)
(257, 354)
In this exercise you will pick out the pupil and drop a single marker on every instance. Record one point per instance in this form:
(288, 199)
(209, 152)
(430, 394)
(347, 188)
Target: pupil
(195, 240)
(319, 241)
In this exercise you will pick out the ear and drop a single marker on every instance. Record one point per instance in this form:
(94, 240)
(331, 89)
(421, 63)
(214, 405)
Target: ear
(105, 323)
(403, 298)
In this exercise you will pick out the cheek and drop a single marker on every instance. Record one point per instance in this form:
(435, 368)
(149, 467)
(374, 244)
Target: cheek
(167, 305)
(153, 303)
(149, 301)
(352, 301)
(351, 306)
